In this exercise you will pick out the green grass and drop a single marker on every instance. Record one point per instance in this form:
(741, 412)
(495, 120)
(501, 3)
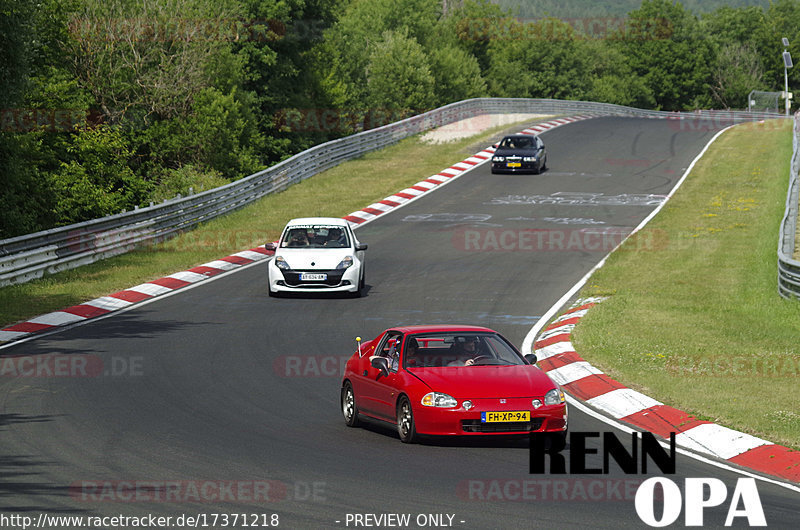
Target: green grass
(337, 192)
(693, 317)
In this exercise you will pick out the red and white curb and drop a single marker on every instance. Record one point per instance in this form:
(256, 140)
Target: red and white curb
(123, 299)
(558, 358)
(113, 302)
(434, 181)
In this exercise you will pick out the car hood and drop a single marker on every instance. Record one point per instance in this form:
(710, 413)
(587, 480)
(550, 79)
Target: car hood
(510, 152)
(322, 258)
(483, 382)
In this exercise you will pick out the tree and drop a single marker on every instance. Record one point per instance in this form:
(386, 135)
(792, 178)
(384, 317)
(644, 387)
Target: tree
(737, 72)
(98, 181)
(541, 59)
(782, 21)
(398, 74)
(456, 74)
(611, 77)
(665, 47)
(361, 28)
(141, 63)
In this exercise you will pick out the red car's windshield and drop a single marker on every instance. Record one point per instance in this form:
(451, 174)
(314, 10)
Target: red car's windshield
(458, 349)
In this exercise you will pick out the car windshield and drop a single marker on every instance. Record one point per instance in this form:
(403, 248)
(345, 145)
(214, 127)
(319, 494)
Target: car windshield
(455, 349)
(517, 142)
(315, 236)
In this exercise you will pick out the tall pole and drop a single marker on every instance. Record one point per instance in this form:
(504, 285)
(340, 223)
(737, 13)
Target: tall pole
(787, 63)
(786, 88)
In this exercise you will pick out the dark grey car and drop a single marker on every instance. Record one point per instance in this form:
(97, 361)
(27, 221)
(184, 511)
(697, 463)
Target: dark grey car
(520, 153)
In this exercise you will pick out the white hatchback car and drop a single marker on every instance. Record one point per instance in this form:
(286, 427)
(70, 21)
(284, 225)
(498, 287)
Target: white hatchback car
(316, 254)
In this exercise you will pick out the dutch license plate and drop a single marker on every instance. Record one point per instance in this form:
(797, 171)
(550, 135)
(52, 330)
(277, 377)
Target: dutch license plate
(510, 415)
(311, 277)
(514, 164)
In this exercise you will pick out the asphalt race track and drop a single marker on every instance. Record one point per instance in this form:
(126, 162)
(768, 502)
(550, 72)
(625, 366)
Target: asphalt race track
(232, 397)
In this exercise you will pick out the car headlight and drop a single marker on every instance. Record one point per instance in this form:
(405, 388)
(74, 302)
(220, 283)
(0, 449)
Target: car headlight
(529, 159)
(437, 399)
(498, 159)
(345, 263)
(554, 397)
(281, 263)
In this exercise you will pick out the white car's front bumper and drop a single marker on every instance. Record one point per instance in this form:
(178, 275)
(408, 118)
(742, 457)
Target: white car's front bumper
(290, 282)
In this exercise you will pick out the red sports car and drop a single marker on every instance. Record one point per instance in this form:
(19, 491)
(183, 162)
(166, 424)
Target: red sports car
(450, 380)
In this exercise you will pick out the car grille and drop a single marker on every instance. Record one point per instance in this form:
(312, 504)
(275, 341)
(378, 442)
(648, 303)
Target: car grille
(509, 426)
(292, 278)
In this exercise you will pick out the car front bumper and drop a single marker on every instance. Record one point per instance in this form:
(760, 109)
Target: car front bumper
(525, 167)
(458, 421)
(337, 280)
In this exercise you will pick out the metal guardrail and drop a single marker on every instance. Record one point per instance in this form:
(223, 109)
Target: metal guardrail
(31, 256)
(788, 267)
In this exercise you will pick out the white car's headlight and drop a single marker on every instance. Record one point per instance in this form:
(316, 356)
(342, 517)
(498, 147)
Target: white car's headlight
(554, 397)
(498, 159)
(438, 399)
(281, 263)
(345, 263)
(529, 159)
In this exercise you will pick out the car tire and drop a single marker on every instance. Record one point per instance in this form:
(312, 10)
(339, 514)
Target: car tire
(405, 421)
(544, 164)
(269, 287)
(349, 408)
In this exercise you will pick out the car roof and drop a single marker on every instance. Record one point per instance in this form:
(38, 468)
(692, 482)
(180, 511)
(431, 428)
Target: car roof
(518, 136)
(335, 221)
(442, 328)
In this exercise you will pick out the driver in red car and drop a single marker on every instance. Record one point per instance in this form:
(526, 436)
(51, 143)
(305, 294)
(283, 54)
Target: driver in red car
(465, 350)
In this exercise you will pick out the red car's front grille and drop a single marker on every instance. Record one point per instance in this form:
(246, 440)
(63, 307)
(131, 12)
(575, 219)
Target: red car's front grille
(510, 426)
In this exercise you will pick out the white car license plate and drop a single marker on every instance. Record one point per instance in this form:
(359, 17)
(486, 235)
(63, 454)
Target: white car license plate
(311, 277)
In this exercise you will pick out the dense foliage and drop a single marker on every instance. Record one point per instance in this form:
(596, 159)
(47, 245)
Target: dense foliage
(607, 8)
(111, 104)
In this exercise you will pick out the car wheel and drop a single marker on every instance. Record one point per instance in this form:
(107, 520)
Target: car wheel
(349, 409)
(405, 421)
(544, 164)
(537, 169)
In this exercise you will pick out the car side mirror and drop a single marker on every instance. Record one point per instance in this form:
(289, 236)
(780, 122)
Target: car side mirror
(495, 146)
(271, 247)
(382, 364)
(531, 358)
(361, 246)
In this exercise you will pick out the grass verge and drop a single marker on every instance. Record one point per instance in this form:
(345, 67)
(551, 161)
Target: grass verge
(693, 317)
(337, 192)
